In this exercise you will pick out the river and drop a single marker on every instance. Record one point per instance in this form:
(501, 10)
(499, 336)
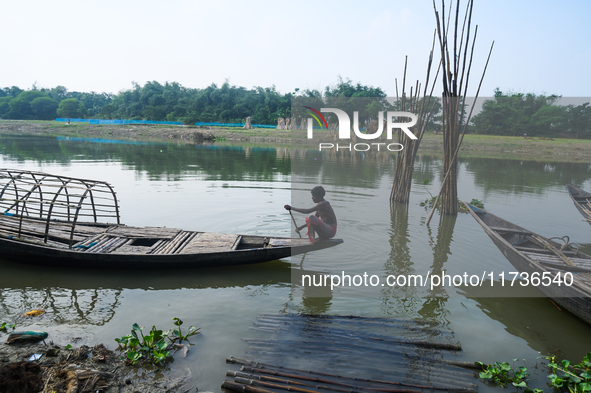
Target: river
(237, 188)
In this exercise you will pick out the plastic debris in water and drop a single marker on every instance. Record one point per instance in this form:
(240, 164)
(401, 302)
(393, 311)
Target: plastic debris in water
(36, 356)
(25, 336)
(34, 313)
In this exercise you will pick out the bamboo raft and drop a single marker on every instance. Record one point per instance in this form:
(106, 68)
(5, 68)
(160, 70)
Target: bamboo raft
(59, 220)
(347, 349)
(582, 201)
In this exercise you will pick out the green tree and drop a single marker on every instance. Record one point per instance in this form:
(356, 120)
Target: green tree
(517, 114)
(20, 107)
(579, 119)
(44, 108)
(70, 108)
(549, 119)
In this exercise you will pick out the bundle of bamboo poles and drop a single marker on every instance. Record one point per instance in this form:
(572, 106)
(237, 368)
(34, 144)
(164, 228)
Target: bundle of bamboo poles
(423, 107)
(409, 357)
(256, 377)
(455, 77)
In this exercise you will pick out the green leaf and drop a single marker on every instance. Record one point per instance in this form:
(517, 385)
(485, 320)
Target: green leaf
(133, 356)
(160, 345)
(584, 387)
(485, 375)
(425, 182)
(521, 384)
(135, 326)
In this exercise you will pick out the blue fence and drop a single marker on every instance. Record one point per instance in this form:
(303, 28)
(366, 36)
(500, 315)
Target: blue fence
(102, 121)
(216, 124)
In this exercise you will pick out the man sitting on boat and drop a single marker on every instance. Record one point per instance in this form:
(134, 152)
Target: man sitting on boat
(323, 223)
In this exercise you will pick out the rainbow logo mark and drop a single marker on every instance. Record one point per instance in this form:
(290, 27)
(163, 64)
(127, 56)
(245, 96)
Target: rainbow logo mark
(314, 116)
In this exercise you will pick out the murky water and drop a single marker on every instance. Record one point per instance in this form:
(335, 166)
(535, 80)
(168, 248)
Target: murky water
(242, 189)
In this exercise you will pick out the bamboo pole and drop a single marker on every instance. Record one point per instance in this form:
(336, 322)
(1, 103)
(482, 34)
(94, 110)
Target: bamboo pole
(294, 223)
(375, 336)
(270, 369)
(361, 323)
(353, 317)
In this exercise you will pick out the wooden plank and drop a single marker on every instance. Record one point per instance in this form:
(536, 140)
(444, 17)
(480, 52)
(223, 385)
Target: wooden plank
(274, 242)
(144, 232)
(210, 242)
(511, 230)
(129, 249)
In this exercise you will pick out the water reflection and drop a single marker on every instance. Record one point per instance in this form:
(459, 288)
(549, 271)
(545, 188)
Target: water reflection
(241, 189)
(92, 296)
(62, 305)
(536, 320)
(159, 161)
(524, 176)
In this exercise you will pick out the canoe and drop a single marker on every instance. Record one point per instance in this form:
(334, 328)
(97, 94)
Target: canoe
(582, 201)
(563, 275)
(64, 221)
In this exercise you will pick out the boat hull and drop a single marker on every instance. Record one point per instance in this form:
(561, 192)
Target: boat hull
(43, 255)
(574, 298)
(582, 201)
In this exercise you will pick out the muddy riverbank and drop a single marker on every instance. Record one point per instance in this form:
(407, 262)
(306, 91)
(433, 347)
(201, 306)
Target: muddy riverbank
(50, 368)
(539, 149)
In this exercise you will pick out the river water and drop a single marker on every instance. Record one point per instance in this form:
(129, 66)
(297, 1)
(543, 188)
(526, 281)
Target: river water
(242, 189)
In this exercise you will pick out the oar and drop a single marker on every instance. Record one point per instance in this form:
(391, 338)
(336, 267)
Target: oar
(294, 223)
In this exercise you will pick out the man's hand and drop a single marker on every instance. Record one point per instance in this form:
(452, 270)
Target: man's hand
(287, 207)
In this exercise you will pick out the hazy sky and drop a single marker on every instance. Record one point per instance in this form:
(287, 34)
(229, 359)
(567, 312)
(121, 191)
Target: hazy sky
(88, 45)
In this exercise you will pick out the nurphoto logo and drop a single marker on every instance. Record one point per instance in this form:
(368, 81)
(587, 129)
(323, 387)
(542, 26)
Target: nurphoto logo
(344, 129)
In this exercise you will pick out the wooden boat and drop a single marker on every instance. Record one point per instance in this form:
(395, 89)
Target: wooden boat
(561, 272)
(582, 201)
(44, 223)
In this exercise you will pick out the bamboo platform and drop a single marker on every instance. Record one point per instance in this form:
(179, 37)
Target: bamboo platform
(315, 354)
(118, 238)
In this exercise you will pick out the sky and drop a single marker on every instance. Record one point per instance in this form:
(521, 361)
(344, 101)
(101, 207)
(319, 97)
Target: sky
(540, 47)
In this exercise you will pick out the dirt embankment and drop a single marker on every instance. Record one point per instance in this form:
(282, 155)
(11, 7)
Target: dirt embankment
(546, 149)
(55, 369)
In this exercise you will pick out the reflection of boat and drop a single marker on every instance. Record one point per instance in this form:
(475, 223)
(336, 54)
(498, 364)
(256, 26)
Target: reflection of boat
(564, 275)
(525, 314)
(42, 224)
(582, 201)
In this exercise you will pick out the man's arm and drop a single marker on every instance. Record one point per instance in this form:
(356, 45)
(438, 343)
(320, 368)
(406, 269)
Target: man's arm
(305, 211)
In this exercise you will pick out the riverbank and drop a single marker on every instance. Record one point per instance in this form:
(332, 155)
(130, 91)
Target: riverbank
(538, 149)
(50, 368)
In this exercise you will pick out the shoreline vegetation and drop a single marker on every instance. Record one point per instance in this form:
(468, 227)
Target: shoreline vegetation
(489, 146)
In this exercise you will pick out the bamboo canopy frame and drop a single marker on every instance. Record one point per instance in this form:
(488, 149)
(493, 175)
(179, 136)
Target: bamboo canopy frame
(55, 199)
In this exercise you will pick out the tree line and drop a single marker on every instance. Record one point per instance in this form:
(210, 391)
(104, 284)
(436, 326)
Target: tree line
(513, 114)
(518, 114)
(166, 102)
